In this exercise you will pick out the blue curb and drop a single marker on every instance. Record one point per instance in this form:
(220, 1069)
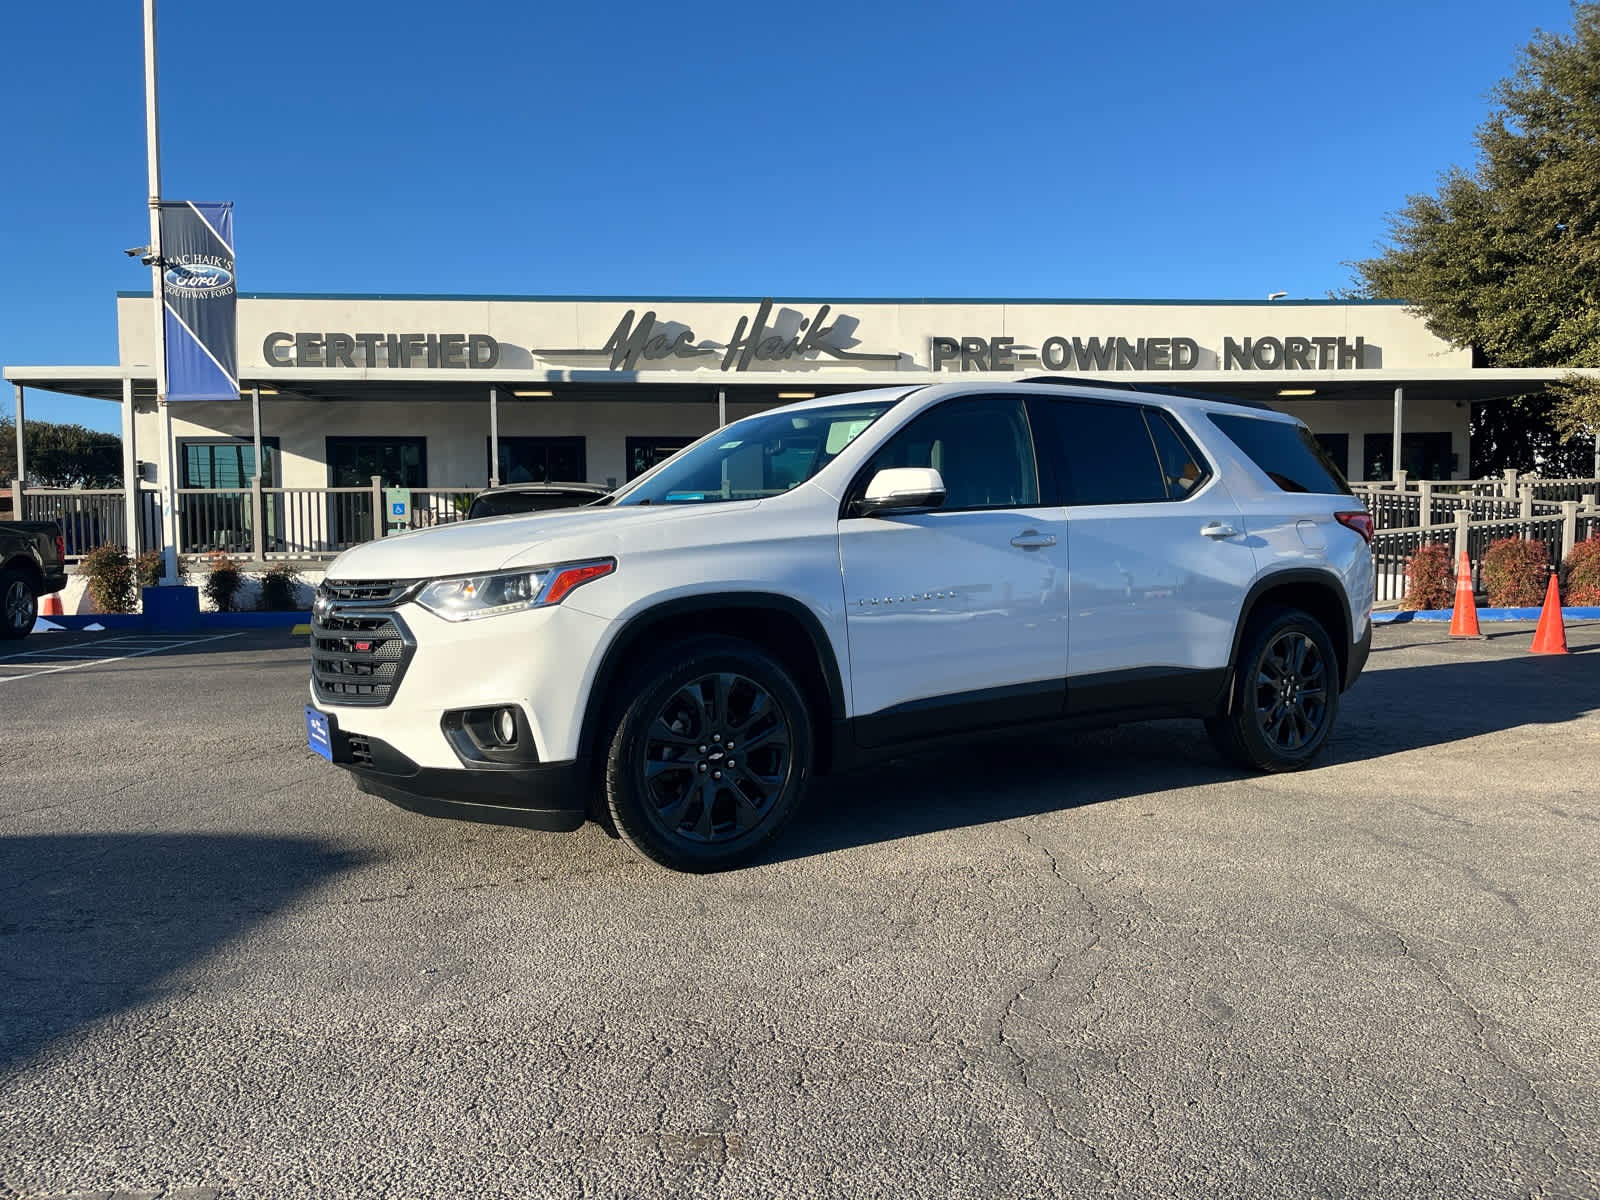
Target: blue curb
(141, 623)
(1484, 614)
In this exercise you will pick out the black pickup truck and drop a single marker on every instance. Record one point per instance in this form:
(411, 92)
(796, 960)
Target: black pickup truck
(33, 563)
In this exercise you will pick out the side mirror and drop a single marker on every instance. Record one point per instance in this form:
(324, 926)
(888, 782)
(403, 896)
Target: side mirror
(902, 489)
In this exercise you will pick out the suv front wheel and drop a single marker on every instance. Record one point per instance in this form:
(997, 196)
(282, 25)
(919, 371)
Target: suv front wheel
(1286, 694)
(710, 755)
(19, 604)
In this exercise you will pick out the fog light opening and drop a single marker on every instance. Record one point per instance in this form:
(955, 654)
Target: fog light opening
(505, 727)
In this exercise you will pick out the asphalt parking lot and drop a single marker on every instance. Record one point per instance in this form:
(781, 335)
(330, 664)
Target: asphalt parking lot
(1035, 966)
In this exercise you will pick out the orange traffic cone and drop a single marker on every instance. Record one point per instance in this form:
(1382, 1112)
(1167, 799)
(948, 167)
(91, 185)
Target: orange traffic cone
(1464, 617)
(50, 606)
(1551, 636)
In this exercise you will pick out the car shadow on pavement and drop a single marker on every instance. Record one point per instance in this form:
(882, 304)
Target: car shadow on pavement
(95, 925)
(1024, 773)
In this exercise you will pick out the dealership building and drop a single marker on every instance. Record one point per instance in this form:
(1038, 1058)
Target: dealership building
(467, 391)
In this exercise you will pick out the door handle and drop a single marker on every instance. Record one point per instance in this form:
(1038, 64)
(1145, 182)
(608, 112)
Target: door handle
(1032, 539)
(1219, 529)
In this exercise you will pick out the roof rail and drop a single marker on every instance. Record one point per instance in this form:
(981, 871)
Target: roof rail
(1083, 381)
(1160, 389)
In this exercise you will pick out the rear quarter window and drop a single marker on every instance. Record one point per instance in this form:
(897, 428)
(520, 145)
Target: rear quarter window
(1287, 453)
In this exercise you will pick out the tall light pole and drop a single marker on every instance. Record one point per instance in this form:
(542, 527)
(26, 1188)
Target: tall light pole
(169, 488)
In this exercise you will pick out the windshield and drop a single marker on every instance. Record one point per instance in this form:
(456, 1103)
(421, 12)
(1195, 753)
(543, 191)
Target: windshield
(763, 455)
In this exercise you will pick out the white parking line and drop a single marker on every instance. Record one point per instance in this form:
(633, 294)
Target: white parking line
(34, 663)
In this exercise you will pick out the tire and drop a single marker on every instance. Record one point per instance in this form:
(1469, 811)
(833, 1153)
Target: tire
(1287, 697)
(679, 788)
(19, 604)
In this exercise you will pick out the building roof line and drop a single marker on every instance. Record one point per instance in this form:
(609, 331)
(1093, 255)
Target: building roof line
(642, 298)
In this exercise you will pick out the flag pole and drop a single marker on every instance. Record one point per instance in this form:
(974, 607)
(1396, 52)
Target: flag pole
(169, 489)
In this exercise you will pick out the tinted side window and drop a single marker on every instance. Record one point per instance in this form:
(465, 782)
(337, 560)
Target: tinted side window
(1289, 454)
(1103, 453)
(1182, 464)
(981, 448)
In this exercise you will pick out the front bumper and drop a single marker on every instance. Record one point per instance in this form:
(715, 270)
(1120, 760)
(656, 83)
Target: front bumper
(548, 796)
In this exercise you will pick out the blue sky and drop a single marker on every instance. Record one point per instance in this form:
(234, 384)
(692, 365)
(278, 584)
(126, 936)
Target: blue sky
(1024, 148)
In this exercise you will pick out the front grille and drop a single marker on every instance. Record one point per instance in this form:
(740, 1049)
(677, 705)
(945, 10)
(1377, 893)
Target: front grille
(359, 649)
(366, 591)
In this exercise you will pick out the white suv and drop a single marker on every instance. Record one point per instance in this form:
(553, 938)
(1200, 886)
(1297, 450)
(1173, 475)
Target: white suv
(841, 578)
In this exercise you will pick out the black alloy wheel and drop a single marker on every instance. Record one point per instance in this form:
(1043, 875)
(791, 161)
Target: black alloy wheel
(19, 605)
(710, 756)
(1291, 691)
(1287, 696)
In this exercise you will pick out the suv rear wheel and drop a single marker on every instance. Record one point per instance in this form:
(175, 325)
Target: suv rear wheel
(710, 755)
(1286, 698)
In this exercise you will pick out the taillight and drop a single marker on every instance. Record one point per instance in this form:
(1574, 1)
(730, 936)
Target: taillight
(1361, 522)
(61, 549)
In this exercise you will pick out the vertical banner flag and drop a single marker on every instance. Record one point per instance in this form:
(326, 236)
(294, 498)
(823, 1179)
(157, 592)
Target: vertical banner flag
(200, 301)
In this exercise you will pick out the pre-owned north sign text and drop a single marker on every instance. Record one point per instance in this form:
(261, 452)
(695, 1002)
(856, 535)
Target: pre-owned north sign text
(1147, 354)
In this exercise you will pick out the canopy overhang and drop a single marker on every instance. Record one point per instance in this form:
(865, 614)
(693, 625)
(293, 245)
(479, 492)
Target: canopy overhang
(1276, 388)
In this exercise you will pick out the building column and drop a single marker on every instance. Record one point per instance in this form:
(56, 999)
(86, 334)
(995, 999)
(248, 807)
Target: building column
(130, 473)
(255, 426)
(722, 407)
(1399, 421)
(494, 437)
(167, 470)
(22, 460)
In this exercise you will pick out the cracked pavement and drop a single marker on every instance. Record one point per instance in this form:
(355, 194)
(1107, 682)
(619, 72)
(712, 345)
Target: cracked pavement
(1042, 965)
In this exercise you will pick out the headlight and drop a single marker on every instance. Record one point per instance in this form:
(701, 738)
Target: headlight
(474, 596)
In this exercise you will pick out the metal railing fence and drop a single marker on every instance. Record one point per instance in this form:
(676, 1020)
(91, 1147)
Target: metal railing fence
(87, 518)
(255, 523)
(309, 525)
(1392, 549)
(440, 506)
(1424, 505)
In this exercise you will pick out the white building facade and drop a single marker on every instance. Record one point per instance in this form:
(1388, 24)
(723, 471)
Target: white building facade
(414, 388)
(461, 392)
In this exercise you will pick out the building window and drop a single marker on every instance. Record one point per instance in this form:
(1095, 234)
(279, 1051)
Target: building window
(1422, 456)
(224, 521)
(646, 452)
(542, 460)
(352, 462)
(398, 461)
(227, 463)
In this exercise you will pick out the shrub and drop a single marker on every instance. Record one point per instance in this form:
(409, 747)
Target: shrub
(222, 581)
(278, 586)
(148, 568)
(111, 579)
(1582, 568)
(1516, 572)
(1429, 584)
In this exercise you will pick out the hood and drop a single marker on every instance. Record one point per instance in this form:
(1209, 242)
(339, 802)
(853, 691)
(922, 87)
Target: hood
(527, 539)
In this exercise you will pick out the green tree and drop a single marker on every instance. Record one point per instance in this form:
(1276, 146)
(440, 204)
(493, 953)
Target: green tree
(1577, 410)
(1506, 258)
(62, 455)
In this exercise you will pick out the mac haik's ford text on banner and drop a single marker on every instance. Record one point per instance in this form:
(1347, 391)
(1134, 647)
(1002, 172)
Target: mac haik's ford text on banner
(200, 301)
